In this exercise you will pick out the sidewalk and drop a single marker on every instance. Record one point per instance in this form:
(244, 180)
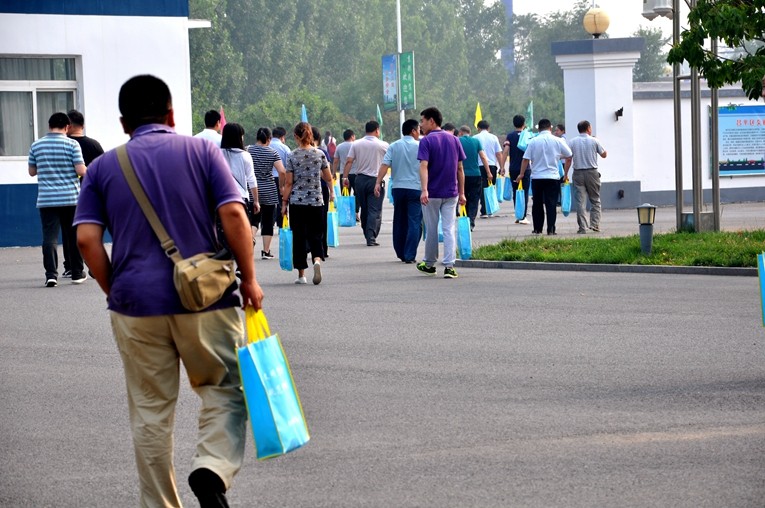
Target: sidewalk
(614, 223)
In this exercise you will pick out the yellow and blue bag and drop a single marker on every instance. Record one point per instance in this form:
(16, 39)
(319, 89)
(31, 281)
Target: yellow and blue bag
(346, 209)
(565, 198)
(333, 239)
(464, 236)
(520, 202)
(273, 405)
(285, 246)
(490, 198)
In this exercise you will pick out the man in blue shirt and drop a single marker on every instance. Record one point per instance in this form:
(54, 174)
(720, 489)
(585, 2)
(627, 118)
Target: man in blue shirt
(57, 163)
(401, 159)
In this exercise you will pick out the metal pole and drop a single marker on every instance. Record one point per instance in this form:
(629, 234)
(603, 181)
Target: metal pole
(401, 113)
(678, 118)
(698, 191)
(713, 140)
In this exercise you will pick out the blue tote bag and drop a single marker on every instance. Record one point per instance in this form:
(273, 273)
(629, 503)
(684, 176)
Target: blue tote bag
(285, 246)
(565, 198)
(346, 209)
(273, 405)
(520, 202)
(333, 239)
(464, 235)
(490, 197)
(501, 182)
(389, 193)
(508, 191)
(524, 138)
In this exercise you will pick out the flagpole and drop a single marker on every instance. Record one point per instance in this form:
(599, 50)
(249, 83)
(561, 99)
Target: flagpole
(401, 113)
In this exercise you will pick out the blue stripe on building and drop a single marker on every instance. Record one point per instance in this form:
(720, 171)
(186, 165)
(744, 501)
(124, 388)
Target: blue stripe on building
(176, 8)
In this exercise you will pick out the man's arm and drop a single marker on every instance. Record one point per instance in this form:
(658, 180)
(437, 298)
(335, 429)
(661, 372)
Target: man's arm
(485, 161)
(380, 177)
(32, 170)
(500, 161)
(424, 182)
(461, 183)
(238, 233)
(524, 166)
(347, 170)
(335, 165)
(90, 240)
(81, 169)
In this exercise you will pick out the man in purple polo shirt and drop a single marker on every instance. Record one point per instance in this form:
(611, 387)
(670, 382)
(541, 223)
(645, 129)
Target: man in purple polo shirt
(186, 179)
(443, 185)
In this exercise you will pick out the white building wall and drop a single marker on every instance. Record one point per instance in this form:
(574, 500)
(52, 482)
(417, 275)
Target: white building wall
(654, 158)
(110, 50)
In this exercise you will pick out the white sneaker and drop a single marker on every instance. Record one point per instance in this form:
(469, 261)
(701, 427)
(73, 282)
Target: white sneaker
(317, 272)
(524, 221)
(82, 279)
(301, 280)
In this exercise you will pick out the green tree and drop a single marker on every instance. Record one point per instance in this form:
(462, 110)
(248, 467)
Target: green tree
(738, 24)
(216, 67)
(650, 65)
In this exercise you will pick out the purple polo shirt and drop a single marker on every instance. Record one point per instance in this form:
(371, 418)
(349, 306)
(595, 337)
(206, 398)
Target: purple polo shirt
(186, 179)
(443, 151)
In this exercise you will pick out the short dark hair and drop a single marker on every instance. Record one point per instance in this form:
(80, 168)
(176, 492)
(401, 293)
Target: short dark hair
(58, 121)
(448, 126)
(76, 118)
(583, 126)
(211, 118)
(483, 125)
(143, 100)
(544, 124)
(465, 129)
(408, 126)
(232, 135)
(347, 134)
(316, 135)
(561, 127)
(279, 132)
(519, 121)
(371, 126)
(432, 113)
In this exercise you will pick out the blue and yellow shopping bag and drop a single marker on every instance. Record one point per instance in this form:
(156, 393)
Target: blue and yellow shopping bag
(490, 198)
(389, 193)
(464, 236)
(346, 209)
(336, 185)
(520, 202)
(285, 246)
(333, 239)
(273, 405)
(500, 187)
(565, 198)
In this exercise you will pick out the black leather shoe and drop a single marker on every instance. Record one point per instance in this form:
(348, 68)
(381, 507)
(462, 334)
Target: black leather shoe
(209, 488)
(372, 243)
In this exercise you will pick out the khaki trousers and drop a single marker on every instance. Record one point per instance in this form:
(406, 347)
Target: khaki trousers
(151, 348)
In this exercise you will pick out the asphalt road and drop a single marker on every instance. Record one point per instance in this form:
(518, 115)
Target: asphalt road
(499, 388)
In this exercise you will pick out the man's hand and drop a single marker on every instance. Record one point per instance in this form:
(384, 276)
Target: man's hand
(424, 197)
(251, 293)
(520, 177)
(462, 199)
(377, 190)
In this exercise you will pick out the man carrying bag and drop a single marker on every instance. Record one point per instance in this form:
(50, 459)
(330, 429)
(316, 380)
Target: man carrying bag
(152, 328)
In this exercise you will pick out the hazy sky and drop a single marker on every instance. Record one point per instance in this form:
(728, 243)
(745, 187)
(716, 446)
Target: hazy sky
(625, 14)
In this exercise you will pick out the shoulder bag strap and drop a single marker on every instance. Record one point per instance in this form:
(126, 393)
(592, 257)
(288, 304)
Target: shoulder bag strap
(168, 245)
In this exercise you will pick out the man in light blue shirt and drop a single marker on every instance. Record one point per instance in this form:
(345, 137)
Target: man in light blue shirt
(543, 152)
(401, 159)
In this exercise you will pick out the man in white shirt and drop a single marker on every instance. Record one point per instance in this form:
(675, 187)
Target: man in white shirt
(544, 151)
(277, 143)
(493, 150)
(368, 153)
(211, 131)
(586, 150)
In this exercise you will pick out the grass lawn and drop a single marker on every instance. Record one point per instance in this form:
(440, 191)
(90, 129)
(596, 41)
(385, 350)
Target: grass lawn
(726, 249)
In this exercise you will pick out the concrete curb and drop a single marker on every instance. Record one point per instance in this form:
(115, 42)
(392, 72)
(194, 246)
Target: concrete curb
(587, 267)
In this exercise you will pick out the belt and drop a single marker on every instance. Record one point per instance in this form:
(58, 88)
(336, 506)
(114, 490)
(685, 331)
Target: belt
(584, 169)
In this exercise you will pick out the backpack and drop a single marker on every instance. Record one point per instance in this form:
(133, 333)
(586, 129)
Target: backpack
(331, 147)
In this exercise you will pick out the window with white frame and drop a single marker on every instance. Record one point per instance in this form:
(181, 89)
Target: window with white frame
(31, 90)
